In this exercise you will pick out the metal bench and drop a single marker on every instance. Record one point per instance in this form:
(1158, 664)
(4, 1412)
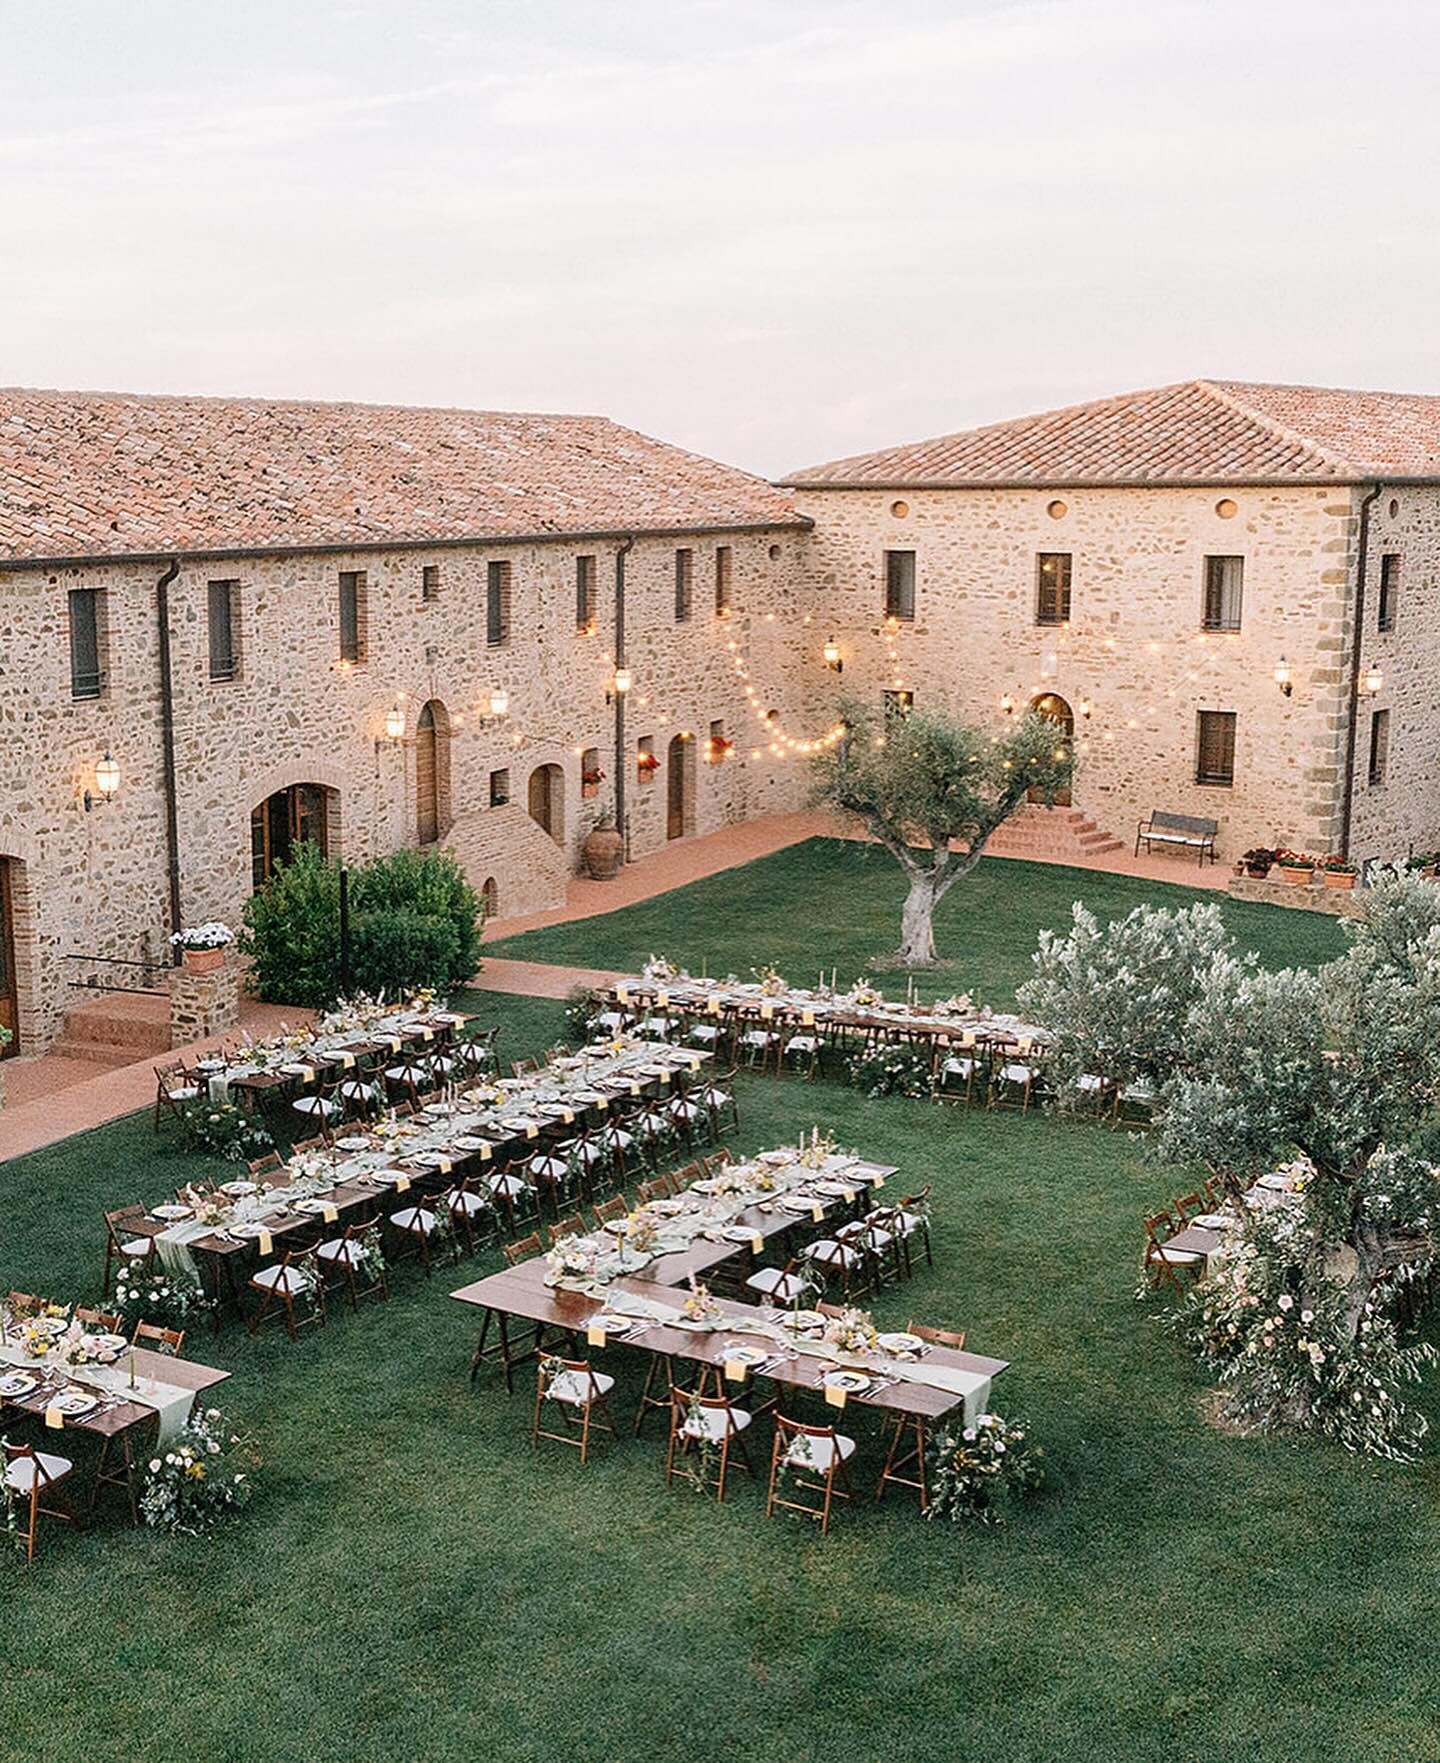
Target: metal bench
(1191, 830)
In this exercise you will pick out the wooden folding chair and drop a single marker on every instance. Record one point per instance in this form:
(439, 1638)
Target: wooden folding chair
(580, 1395)
(910, 1220)
(342, 1259)
(268, 1164)
(32, 1480)
(717, 1094)
(522, 1250)
(174, 1087)
(124, 1246)
(289, 1283)
(1165, 1265)
(800, 1449)
(524, 1067)
(105, 1320)
(158, 1338)
(472, 1214)
(424, 1230)
(610, 1211)
(707, 1424)
(565, 1227)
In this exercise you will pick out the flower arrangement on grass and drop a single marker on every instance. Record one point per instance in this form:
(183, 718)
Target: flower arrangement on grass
(164, 1298)
(221, 1129)
(891, 1069)
(974, 1467)
(203, 1476)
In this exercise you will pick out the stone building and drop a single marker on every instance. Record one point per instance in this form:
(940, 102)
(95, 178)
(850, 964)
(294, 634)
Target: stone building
(1230, 593)
(227, 625)
(372, 627)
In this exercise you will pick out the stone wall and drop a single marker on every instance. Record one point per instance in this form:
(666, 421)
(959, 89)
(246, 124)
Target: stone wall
(1134, 650)
(95, 882)
(1314, 897)
(203, 1004)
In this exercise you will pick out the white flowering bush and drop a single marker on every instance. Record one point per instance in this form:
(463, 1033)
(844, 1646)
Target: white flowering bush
(204, 1474)
(973, 1468)
(163, 1298)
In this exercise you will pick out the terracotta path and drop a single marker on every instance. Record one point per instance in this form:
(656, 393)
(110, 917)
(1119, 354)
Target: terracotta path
(53, 1096)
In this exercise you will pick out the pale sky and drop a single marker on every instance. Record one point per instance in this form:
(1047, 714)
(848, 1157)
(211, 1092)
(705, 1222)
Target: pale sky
(772, 230)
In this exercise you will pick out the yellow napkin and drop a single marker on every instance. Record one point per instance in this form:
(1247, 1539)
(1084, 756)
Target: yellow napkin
(595, 1335)
(835, 1397)
(331, 1214)
(267, 1243)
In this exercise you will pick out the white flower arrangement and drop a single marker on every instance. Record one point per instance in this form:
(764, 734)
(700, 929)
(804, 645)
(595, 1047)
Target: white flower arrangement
(974, 1463)
(198, 1480)
(852, 1331)
(571, 1258)
(214, 935)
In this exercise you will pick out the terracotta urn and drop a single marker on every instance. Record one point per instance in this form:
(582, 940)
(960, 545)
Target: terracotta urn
(203, 960)
(603, 851)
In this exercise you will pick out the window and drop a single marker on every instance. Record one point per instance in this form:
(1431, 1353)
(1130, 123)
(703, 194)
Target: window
(430, 582)
(284, 820)
(719, 747)
(1379, 746)
(1215, 747)
(585, 606)
(684, 584)
(1389, 591)
(499, 788)
(1224, 590)
(592, 773)
(900, 584)
(86, 676)
(898, 704)
(352, 616)
(497, 604)
(1052, 588)
(647, 761)
(722, 581)
(224, 657)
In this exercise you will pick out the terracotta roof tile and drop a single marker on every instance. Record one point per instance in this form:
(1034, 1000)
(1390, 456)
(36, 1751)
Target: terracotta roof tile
(113, 474)
(1209, 431)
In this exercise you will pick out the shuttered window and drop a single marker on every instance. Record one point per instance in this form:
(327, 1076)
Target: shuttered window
(352, 616)
(430, 582)
(1215, 747)
(900, 584)
(585, 606)
(1052, 588)
(222, 616)
(86, 616)
(684, 583)
(722, 580)
(1379, 746)
(497, 604)
(1224, 592)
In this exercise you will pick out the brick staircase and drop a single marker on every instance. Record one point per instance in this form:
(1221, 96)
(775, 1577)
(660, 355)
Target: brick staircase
(117, 1028)
(1053, 835)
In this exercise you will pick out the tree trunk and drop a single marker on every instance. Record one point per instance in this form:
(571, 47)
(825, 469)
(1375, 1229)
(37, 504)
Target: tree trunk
(917, 933)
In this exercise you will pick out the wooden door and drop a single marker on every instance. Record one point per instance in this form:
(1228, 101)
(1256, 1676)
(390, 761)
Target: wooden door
(427, 799)
(540, 796)
(9, 997)
(1054, 709)
(676, 801)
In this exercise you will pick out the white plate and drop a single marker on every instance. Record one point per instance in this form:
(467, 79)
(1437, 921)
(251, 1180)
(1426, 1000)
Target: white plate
(111, 1343)
(238, 1190)
(313, 1207)
(667, 1208)
(1278, 1184)
(17, 1383)
(702, 1187)
(1212, 1221)
(802, 1319)
(353, 1142)
(798, 1202)
(852, 1382)
(900, 1342)
(836, 1189)
(776, 1157)
(746, 1355)
(611, 1323)
(171, 1212)
(250, 1232)
(738, 1233)
(74, 1403)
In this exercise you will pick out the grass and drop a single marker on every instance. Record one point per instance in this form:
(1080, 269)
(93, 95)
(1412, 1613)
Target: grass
(836, 902)
(411, 1584)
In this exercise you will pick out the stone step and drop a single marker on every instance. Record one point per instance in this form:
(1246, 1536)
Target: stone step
(116, 1028)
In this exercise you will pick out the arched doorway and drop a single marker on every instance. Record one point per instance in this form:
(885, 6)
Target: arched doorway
(432, 772)
(490, 897)
(9, 984)
(679, 787)
(291, 816)
(1054, 709)
(547, 800)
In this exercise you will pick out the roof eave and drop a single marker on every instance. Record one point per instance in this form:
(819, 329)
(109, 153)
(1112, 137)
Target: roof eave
(488, 541)
(1108, 483)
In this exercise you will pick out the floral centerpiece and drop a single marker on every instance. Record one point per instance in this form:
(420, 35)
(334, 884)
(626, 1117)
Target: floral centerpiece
(818, 1151)
(642, 1230)
(658, 970)
(573, 1259)
(202, 1477)
(852, 1331)
(972, 1465)
(81, 1346)
(699, 1306)
(772, 982)
(312, 1166)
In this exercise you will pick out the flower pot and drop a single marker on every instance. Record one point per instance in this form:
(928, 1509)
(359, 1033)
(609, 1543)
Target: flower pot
(1337, 878)
(603, 851)
(203, 960)
(1238, 868)
(1258, 870)
(1291, 873)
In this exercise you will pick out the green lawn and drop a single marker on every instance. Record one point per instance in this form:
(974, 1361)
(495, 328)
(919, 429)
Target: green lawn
(837, 902)
(411, 1584)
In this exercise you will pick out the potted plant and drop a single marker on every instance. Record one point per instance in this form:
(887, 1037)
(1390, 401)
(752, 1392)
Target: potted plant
(1338, 872)
(647, 764)
(1295, 867)
(604, 848)
(203, 946)
(591, 780)
(1426, 862)
(1259, 862)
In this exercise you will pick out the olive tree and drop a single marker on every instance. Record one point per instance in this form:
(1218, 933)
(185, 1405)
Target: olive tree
(932, 790)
